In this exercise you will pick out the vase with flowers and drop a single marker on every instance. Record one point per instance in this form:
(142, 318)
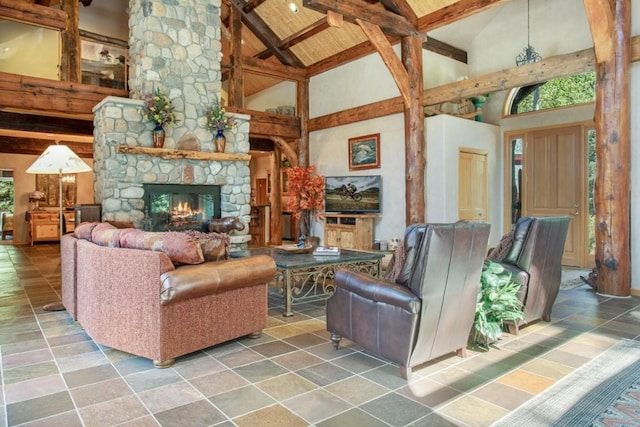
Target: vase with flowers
(159, 110)
(218, 122)
(306, 196)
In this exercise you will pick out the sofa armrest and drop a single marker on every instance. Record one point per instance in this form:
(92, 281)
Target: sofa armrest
(193, 281)
(378, 290)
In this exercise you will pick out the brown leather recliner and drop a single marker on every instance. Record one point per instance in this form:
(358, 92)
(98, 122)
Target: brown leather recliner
(534, 259)
(429, 310)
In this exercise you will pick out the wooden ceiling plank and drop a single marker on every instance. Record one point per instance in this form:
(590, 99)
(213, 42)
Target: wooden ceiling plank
(36, 146)
(305, 33)
(34, 14)
(601, 23)
(455, 12)
(445, 49)
(389, 22)
(389, 57)
(266, 35)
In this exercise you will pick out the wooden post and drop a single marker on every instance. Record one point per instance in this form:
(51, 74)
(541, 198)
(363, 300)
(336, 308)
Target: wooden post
(414, 133)
(70, 69)
(613, 154)
(302, 108)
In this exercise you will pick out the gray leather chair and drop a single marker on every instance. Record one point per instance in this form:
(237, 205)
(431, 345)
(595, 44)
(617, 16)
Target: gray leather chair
(534, 259)
(428, 311)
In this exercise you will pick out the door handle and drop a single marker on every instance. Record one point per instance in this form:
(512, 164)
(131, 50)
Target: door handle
(577, 211)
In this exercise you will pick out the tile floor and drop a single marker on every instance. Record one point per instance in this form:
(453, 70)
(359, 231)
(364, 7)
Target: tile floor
(53, 374)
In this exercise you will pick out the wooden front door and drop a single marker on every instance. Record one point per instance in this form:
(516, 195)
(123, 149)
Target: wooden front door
(473, 184)
(555, 184)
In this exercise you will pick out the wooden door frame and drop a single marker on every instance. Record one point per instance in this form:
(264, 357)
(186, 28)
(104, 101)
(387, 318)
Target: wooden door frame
(525, 134)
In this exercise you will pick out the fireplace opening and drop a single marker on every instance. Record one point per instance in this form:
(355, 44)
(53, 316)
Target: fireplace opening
(170, 207)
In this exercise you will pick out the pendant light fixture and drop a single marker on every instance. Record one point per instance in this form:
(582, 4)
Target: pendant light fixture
(529, 54)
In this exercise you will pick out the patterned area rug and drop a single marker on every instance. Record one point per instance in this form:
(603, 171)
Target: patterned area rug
(604, 392)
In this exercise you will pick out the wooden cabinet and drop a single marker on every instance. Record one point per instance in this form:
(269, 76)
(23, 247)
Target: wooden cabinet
(44, 226)
(349, 231)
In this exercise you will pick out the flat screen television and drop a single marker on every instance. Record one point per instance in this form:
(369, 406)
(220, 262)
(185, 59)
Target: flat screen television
(352, 194)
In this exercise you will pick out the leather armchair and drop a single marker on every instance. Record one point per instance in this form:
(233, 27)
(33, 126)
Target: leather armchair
(428, 311)
(534, 259)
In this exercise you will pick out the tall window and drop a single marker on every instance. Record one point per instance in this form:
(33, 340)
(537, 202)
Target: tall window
(556, 93)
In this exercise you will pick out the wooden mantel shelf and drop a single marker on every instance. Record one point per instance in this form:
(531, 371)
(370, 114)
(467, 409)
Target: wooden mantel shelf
(168, 153)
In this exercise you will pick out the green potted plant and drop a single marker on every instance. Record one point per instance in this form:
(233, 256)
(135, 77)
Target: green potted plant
(497, 302)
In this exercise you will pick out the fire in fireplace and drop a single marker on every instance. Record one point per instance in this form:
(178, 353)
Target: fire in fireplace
(170, 207)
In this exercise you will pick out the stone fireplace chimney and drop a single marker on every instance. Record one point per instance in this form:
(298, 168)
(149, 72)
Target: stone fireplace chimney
(174, 46)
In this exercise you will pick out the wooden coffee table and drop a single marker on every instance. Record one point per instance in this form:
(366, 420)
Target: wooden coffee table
(301, 276)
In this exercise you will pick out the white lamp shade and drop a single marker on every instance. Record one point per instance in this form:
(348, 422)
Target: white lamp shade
(58, 159)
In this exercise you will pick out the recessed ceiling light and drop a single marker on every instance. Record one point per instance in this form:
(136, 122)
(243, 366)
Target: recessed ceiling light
(293, 7)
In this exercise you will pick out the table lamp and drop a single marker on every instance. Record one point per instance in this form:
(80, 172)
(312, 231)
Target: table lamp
(58, 159)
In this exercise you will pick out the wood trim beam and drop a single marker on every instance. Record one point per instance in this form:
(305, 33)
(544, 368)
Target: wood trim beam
(600, 17)
(266, 35)
(70, 63)
(33, 14)
(444, 49)
(389, 57)
(455, 12)
(236, 79)
(351, 10)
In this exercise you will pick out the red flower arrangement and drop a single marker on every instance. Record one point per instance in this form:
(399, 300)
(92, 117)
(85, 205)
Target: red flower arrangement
(306, 194)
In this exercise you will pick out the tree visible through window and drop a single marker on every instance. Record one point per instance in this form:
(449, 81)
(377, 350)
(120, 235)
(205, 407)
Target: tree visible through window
(556, 93)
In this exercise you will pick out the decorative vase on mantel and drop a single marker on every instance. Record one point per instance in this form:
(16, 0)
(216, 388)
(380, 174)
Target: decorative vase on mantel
(220, 141)
(158, 136)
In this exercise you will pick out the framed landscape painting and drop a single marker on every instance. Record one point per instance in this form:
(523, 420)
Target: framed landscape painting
(364, 152)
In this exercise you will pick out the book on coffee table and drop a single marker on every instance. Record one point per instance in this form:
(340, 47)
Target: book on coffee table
(327, 250)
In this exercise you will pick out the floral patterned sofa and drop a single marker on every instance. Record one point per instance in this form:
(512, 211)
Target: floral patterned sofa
(161, 295)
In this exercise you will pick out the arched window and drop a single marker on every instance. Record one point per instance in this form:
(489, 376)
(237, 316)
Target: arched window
(561, 92)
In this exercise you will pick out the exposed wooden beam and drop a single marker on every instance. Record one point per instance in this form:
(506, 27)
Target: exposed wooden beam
(261, 30)
(10, 121)
(445, 49)
(351, 10)
(547, 69)
(26, 93)
(600, 17)
(236, 80)
(305, 33)
(389, 57)
(70, 63)
(34, 14)
(37, 146)
(252, 4)
(402, 8)
(455, 12)
(358, 51)
(258, 66)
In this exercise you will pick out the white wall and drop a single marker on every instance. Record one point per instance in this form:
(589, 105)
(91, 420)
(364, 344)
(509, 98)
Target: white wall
(29, 50)
(445, 135)
(281, 94)
(328, 151)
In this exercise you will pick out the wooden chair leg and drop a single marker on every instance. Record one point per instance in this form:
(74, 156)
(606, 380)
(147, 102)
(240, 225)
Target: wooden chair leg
(405, 372)
(513, 329)
(462, 352)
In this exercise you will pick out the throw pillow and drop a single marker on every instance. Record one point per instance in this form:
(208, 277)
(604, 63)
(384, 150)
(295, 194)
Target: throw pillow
(84, 230)
(105, 234)
(215, 246)
(179, 247)
(498, 253)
